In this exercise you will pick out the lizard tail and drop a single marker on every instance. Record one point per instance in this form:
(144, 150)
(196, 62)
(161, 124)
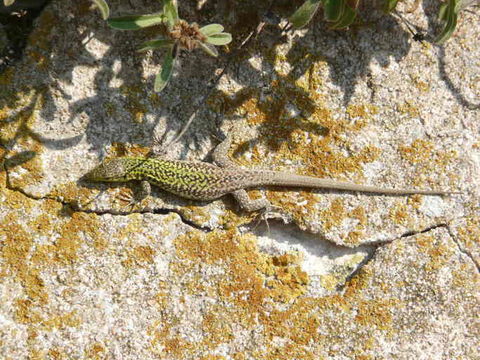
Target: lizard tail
(278, 178)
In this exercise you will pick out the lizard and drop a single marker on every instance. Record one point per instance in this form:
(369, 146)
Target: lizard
(203, 181)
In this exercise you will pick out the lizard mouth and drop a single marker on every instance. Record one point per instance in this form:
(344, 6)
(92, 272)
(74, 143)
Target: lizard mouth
(89, 176)
(92, 175)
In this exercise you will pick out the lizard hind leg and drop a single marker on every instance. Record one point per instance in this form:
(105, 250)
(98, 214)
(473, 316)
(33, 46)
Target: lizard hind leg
(248, 204)
(220, 153)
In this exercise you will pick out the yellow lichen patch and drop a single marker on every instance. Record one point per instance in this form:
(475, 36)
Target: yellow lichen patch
(250, 279)
(469, 234)
(197, 214)
(312, 82)
(334, 215)
(287, 280)
(70, 192)
(399, 214)
(37, 321)
(329, 281)
(377, 314)
(231, 219)
(359, 214)
(35, 241)
(422, 86)
(24, 313)
(133, 226)
(170, 343)
(140, 256)
(119, 149)
(14, 200)
(362, 111)
(213, 357)
(354, 237)
(59, 322)
(72, 234)
(407, 108)
(415, 201)
(439, 254)
(40, 38)
(227, 267)
(217, 327)
(428, 161)
(17, 245)
(301, 206)
(18, 118)
(31, 171)
(135, 97)
(24, 164)
(95, 351)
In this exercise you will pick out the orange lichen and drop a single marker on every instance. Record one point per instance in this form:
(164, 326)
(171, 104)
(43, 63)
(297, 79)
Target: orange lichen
(469, 233)
(245, 297)
(72, 193)
(376, 314)
(409, 109)
(197, 214)
(428, 161)
(334, 215)
(140, 256)
(135, 101)
(400, 214)
(95, 351)
(354, 237)
(439, 254)
(35, 239)
(17, 245)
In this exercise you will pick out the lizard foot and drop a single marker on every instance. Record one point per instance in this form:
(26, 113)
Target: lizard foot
(126, 196)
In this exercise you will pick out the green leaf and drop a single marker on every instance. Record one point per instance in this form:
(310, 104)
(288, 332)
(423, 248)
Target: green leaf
(450, 16)
(304, 13)
(8, 2)
(334, 9)
(211, 29)
(219, 39)
(347, 18)
(155, 44)
(171, 12)
(103, 7)
(209, 49)
(442, 13)
(163, 77)
(134, 22)
(390, 5)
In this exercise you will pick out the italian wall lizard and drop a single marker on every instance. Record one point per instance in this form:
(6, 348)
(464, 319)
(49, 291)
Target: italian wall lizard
(205, 181)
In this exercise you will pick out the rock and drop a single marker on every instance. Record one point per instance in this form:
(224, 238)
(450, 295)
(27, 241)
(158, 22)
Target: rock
(331, 275)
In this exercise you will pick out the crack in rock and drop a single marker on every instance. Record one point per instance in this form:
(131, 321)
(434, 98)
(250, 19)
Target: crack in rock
(462, 249)
(427, 229)
(74, 207)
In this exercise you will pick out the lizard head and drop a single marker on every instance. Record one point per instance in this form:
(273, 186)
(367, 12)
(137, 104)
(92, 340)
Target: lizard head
(109, 170)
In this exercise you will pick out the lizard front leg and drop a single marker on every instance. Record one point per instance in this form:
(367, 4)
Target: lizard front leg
(140, 193)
